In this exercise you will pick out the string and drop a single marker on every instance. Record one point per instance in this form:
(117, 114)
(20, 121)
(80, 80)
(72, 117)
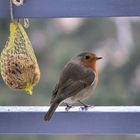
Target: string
(11, 10)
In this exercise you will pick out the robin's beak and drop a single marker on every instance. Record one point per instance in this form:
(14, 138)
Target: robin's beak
(98, 58)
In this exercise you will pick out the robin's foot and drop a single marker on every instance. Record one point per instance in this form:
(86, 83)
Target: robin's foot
(85, 106)
(68, 107)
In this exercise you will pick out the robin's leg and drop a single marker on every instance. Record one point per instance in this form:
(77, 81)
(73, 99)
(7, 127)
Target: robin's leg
(68, 107)
(85, 106)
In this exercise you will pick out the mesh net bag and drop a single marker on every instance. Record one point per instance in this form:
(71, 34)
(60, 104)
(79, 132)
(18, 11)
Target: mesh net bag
(19, 67)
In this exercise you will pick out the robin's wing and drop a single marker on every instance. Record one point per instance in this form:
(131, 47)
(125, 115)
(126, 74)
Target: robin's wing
(74, 78)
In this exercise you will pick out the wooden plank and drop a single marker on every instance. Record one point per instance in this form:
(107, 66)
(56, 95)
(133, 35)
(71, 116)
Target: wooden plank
(95, 121)
(72, 8)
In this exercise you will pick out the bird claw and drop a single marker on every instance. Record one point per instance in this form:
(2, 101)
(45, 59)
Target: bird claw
(68, 107)
(86, 107)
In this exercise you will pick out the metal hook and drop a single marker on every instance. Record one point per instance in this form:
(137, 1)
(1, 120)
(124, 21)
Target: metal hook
(18, 2)
(26, 22)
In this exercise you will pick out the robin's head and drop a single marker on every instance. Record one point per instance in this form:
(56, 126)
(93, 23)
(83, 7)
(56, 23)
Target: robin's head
(88, 59)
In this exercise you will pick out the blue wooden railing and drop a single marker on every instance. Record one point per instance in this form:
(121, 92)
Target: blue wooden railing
(72, 8)
(97, 120)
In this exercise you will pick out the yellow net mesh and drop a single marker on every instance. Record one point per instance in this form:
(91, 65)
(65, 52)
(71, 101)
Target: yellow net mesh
(19, 67)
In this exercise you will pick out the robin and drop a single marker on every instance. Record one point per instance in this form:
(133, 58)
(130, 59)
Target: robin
(77, 82)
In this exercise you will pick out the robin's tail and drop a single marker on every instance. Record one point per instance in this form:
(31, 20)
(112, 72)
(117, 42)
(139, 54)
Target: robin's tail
(51, 111)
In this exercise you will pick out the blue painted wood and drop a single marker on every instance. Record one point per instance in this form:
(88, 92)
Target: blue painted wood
(97, 120)
(72, 8)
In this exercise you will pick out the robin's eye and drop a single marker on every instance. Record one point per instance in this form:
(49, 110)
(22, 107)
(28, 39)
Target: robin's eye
(87, 57)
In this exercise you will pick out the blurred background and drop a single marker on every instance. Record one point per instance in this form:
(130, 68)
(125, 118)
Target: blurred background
(55, 41)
